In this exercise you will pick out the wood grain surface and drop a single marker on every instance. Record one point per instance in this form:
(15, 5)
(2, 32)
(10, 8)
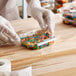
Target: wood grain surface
(55, 60)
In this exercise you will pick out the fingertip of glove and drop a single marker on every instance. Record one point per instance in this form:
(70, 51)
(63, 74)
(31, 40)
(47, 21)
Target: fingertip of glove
(15, 42)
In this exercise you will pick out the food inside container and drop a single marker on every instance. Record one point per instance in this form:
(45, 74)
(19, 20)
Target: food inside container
(69, 22)
(36, 39)
(45, 3)
(69, 16)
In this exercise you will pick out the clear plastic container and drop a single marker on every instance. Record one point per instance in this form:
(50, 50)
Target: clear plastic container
(69, 15)
(36, 39)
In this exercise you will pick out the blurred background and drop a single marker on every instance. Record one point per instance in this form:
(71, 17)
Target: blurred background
(48, 4)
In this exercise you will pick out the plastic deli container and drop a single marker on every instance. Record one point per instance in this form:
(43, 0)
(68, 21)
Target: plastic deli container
(36, 39)
(69, 22)
(69, 17)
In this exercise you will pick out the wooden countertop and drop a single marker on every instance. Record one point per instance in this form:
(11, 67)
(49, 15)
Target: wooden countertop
(52, 60)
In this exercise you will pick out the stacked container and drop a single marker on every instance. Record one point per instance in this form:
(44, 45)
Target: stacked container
(70, 16)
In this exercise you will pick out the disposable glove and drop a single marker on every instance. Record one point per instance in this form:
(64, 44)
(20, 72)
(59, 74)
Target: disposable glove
(7, 33)
(44, 16)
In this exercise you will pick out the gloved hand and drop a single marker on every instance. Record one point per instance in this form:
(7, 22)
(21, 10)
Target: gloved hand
(7, 33)
(44, 16)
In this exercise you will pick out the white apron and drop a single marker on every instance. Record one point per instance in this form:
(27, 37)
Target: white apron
(8, 9)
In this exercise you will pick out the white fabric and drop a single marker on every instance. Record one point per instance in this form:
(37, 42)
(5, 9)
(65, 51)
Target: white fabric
(9, 10)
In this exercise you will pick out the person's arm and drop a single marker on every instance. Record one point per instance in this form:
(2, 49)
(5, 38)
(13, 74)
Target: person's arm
(7, 33)
(45, 17)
